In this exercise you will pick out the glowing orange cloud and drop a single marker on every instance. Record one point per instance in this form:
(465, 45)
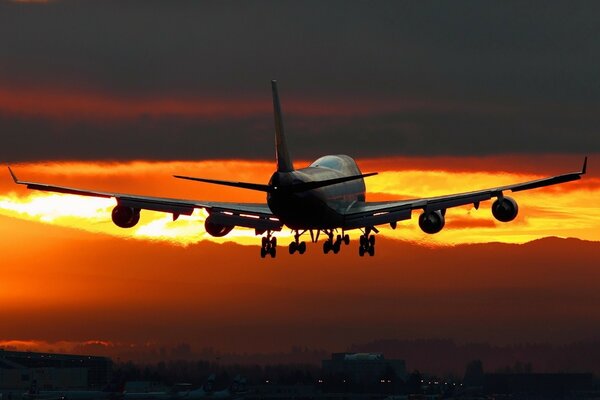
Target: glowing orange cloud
(566, 210)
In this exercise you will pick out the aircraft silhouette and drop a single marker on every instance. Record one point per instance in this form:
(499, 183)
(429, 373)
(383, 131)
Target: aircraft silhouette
(326, 197)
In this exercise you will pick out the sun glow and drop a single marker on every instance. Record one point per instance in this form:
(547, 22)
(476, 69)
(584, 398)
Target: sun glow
(51, 207)
(564, 211)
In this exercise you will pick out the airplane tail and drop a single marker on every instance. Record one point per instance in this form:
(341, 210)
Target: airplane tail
(284, 164)
(284, 161)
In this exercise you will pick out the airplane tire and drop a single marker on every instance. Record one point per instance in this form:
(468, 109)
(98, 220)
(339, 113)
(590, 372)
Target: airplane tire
(326, 246)
(371, 251)
(336, 247)
(273, 252)
(372, 240)
(263, 252)
(274, 241)
(302, 247)
(346, 239)
(293, 247)
(264, 242)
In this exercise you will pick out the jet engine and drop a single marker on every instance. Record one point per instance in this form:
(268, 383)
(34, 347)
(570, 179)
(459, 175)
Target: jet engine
(216, 230)
(432, 221)
(125, 217)
(505, 209)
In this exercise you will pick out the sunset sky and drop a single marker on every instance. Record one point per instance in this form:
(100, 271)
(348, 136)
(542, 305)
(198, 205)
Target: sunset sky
(438, 97)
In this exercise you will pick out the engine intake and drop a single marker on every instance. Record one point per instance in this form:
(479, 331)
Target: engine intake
(125, 217)
(505, 209)
(216, 230)
(432, 221)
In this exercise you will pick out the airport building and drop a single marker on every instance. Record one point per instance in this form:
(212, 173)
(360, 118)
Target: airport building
(364, 367)
(544, 385)
(48, 371)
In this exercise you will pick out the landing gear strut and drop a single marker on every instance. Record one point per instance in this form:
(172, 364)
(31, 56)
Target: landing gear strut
(297, 245)
(269, 245)
(367, 244)
(335, 246)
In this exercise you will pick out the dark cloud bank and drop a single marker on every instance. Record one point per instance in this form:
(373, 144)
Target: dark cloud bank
(524, 75)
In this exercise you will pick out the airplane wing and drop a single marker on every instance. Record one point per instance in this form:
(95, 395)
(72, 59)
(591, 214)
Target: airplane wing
(364, 214)
(249, 215)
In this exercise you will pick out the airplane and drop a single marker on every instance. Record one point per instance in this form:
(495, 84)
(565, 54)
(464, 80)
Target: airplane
(328, 196)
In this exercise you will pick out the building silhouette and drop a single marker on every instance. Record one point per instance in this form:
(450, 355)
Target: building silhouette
(48, 371)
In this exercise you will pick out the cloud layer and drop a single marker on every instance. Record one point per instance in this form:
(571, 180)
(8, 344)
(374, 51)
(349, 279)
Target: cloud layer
(191, 80)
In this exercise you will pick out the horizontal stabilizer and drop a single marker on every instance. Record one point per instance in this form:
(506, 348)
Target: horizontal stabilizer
(243, 185)
(293, 188)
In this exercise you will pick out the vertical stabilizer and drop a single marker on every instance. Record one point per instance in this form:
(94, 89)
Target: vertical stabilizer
(284, 161)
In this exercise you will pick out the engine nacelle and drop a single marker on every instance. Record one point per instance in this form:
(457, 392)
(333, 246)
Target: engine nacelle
(216, 230)
(125, 217)
(432, 221)
(505, 209)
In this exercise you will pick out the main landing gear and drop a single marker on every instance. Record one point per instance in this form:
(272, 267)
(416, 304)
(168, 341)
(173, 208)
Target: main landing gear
(330, 245)
(367, 244)
(269, 246)
(297, 245)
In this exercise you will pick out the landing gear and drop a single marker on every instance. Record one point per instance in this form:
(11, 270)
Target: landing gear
(269, 245)
(367, 244)
(329, 244)
(297, 245)
(335, 245)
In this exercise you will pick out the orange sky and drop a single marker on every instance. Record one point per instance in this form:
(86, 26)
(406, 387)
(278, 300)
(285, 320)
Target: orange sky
(69, 274)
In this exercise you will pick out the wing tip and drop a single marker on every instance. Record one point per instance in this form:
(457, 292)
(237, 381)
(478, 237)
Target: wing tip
(584, 168)
(12, 174)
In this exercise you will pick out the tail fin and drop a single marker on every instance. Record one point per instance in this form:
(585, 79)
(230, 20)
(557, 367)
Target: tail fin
(284, 161)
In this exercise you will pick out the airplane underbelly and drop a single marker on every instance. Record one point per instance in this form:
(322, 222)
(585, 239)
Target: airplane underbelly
(305, 212)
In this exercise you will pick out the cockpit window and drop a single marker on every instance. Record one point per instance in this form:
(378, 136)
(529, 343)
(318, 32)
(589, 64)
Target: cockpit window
(328, 162)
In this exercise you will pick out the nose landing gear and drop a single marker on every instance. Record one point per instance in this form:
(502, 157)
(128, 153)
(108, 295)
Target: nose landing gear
(297, 245)
(335, 246)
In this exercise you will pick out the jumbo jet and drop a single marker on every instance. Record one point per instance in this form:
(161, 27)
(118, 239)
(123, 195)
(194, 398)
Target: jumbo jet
(327, 197)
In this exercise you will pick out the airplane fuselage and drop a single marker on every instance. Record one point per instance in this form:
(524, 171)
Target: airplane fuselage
(317, 208)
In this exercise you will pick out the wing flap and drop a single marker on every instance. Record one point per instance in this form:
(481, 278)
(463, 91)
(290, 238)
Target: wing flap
(260, 223)
(459, 200)
(161, 205)
(380, 218)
